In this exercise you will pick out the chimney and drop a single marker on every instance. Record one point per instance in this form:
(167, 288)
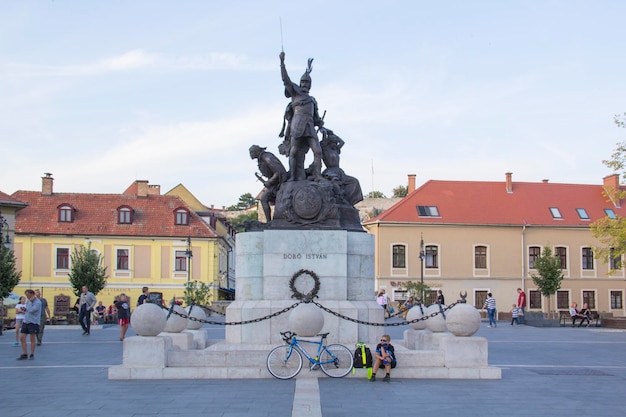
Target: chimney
(154, 189)
(509, 182)
(46, 184)
(545, 180)
(611, 188)
(411, 185)
(142, 188)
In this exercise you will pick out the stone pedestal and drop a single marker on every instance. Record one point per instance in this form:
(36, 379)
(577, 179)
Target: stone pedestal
(183, 341)
(266, 262)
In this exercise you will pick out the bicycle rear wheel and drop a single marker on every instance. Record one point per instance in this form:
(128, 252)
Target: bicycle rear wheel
(284, 362)
(336, 360)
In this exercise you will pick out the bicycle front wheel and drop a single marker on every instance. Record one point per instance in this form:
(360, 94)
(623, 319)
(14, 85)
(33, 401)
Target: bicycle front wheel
(336, 360)
(284, 362)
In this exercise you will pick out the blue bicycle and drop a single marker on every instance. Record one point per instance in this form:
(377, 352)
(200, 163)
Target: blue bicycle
(285, 362)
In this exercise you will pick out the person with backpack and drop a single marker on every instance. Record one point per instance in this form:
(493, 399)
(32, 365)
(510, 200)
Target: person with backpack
(385, 356)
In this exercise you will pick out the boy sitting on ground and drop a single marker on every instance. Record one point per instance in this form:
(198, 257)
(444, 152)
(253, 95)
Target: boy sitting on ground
(384, 355)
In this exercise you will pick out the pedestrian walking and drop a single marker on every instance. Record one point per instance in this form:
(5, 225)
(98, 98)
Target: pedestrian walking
(45, 315)
(123, 314)
(86, 304)
(490, 305)
(20, 308)
(32, 317)
(521, 304)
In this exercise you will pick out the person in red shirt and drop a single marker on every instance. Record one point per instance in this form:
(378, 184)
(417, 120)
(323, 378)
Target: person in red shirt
(521, 304)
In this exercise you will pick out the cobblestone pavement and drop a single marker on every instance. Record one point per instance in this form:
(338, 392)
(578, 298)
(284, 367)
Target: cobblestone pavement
(545, 372)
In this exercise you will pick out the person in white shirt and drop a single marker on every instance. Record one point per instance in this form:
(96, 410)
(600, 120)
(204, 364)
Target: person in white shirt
(20, 308)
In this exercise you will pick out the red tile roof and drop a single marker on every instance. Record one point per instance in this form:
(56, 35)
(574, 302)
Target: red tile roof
(7, 200)
(488, 203)
(96, 214)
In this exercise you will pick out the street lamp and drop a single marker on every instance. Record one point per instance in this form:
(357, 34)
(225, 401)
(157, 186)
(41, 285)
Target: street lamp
(422, 256)
(189, 255)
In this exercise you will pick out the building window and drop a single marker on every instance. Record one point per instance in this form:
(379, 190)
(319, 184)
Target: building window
(587, 258)
(610, 213)
(480, 257)
(479, 298)
(65, 213)
(432, 260)
(430, 297)
(561, 253)
(182, 217)
(427, 211)
(534, 299)
(399, 256)
(122, 259)
(589, 297)
(616, 300)
(63, 258)
(556, 213)
(562, 300)
(582, 213)
(533, 254)
(125, 215)
(615, 261)
(180, 263)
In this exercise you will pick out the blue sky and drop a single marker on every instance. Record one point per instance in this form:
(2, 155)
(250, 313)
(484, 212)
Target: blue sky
(102, 93)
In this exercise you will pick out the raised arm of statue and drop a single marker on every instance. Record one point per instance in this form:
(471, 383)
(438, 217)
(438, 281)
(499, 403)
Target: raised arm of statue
(289, 85)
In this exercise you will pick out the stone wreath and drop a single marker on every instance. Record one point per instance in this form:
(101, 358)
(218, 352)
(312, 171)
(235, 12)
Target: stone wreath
(311, 294)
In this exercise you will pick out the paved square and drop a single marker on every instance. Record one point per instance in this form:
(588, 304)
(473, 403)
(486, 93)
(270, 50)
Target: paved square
(545, 372)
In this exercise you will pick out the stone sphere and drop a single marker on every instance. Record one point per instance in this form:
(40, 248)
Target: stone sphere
(463, 320)
(196, 313)
(306, 320)
(148, 320)
(176, 323)
(436, 324)
(416, 313)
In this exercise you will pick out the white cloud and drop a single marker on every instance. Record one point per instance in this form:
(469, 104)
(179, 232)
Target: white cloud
(134, 59)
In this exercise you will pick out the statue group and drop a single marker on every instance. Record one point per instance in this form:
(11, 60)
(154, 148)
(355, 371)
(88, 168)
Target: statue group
(306, 197)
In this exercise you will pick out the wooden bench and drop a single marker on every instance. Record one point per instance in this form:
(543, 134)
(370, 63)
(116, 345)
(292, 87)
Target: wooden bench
(566, 320)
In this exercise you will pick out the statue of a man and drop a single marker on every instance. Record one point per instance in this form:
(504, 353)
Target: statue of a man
(272, 169)
(302, 124)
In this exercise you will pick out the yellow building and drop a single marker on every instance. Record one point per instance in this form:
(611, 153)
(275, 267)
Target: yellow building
(480, 237)
(224, 285)
(145, 239)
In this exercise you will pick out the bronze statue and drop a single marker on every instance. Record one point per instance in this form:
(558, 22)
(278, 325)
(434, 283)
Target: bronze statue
(274, 171)
(301, 126)
(331, 145)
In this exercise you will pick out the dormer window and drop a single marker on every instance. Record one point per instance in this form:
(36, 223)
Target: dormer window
(427, 211)
(582, 213)
(181, 217)
(124, 215)
(556, 213)
(66, 213)
(610, 213)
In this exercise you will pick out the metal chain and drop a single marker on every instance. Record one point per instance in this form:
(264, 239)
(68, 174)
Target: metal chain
(402, 323)
(230, 323)
(441, 311)
(309, 298)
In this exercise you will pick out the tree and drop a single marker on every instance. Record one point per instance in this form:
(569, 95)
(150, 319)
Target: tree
(239, 222)
(612, 235)
(246, 201)
(87, 270)
(197, 292)
(9, 277)
(416, 290)
(612, 232)
(400, 191)
(549, 275)
(375, 194)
